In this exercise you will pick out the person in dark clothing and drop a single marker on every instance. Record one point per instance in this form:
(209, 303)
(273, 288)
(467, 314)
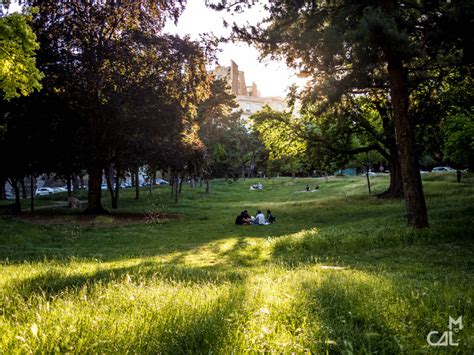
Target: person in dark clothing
(243, 218)
(239, 220)
(270, 218)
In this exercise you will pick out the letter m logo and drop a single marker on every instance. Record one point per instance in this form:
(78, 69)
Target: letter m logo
(457, 322)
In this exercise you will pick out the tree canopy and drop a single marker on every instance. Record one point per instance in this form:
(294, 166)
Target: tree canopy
(19, 75)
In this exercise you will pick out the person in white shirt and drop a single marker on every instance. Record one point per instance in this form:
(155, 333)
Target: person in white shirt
(259, 218)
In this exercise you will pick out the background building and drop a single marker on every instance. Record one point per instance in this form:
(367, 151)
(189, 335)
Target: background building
(248, 97)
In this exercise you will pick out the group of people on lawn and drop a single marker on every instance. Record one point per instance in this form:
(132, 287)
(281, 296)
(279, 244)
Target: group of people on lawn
(245, 219)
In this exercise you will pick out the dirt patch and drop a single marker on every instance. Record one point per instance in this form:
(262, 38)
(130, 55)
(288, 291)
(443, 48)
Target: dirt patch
(98, 221)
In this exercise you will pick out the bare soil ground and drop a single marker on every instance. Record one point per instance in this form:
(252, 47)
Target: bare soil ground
(99, 221)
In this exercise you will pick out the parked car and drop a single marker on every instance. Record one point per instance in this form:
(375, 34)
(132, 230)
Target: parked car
(371, 173)
(423, 172)
(161, 182)
(59, 189)
(42, 191)
(443, 169)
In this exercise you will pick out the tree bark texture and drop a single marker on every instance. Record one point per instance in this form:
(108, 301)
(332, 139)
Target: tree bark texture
(94, 196)
(417, 216)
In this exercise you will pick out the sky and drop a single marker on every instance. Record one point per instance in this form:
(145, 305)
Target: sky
(272, 77)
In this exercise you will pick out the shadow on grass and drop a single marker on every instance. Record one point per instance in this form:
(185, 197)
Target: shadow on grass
(361, 312)
(355, 311)
(52, 283)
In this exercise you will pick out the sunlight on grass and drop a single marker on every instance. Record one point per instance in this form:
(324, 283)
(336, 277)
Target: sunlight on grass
(337, 273)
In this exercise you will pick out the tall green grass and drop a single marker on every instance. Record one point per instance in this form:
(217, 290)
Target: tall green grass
(339, 272)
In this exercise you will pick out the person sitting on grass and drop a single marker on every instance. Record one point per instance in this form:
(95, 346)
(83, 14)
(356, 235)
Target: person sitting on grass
(243, 218)
(259, 219)
(270, 218)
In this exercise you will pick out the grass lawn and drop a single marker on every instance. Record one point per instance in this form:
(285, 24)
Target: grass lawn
(339, 272)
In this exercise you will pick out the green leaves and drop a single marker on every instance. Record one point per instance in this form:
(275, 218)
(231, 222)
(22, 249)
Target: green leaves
(459, 139)
(18, 73)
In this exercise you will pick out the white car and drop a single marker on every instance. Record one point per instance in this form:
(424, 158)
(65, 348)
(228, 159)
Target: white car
(371, 173)
(443, 169)
(59, 189)
(44, 191)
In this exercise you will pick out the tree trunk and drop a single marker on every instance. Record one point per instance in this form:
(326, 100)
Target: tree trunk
(368, 179)
(208, 186)
(137, 184)
(417, 216)
(32, 194)
(395, 190)
(396, 183)
(17, 205)
(23, 188)
(94, 195)
(172, 184)
(2, 188)
(181, 184)
(113, 184)
(69, 186)
(115, 196)
(176, 188)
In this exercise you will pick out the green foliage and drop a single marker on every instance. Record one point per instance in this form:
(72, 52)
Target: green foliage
(18, 73)
(337, 272)
(279, 132)
(459, 139)
(232, 146)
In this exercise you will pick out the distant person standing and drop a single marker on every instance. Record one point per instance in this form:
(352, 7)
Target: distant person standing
(458, 175)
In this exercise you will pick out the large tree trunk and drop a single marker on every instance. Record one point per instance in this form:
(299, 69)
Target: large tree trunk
(94, 196)
(396, 183)
(417, 216)
(395, 189)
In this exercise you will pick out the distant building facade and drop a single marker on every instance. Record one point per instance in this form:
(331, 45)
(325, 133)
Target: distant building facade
(248, 97)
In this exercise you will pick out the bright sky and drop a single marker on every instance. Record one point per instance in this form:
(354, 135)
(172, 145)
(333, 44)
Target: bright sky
(272, 78)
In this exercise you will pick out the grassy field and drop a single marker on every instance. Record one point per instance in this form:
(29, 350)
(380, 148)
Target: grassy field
(339, 272)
